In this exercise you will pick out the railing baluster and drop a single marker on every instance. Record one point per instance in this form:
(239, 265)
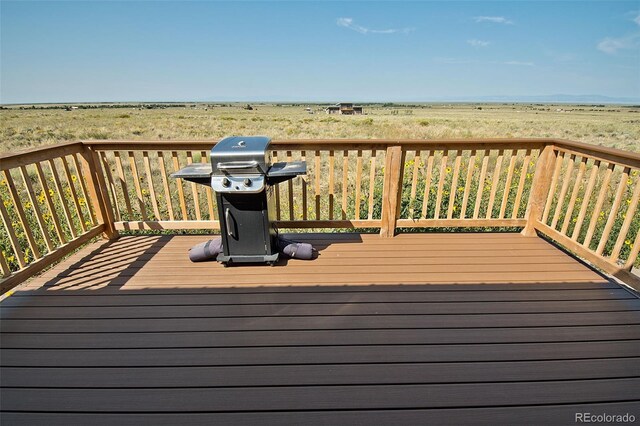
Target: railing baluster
(74, 194)
(194, 190)
(204, 159)
(152, 191)
(427, 184)
(290, 189)
(635, 250)
(123, 183)
(17, 204)
(112, 185)
(372, 183)
(599, 202)
(454, 183)
(467, 183)
(317, 172)
(183, 204)
(563, 190)
(585, 200)
(277, 189)
(4, 266)
(358, 183)
(414, 182)
(574, 196)
(50, 205)
(442, 178)
(554, 183)
(63, 201)
(494, 184)
(331, 183)
(136, 184)
(83, 186)
(523, 179)
(622, 186)
(36, 208)
(507, 184)
(345, 182)
(629, 215)
(303, 183)
(12, 236)
(165, 184)
(481, 179)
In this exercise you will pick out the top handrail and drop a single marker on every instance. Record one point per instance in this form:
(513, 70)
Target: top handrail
(21, 158)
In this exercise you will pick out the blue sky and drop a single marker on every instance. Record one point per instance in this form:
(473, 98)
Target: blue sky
(318, 51)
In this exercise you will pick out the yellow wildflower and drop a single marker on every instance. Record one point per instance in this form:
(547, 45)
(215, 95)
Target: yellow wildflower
(455, 208)
(81, 201)
(51, 192)
(6, 203)
(629, 201)
(461, 189)
(74, 178)
(448, 169)
(27, 205)
(11, 259)
(144, 192)
(627, 242)
(629, 181)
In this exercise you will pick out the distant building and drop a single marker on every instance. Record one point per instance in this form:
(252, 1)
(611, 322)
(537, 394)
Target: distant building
(346, 108)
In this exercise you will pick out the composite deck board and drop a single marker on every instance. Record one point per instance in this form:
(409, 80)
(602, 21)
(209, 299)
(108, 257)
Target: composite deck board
(308, 375)
(189, 339)
(548, 415)
(327, 322)
(321, 354)
(489, 328)
(320, 397)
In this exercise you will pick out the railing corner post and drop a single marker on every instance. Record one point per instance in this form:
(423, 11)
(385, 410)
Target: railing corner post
(392, 189)
(540, 188)
(96, 186)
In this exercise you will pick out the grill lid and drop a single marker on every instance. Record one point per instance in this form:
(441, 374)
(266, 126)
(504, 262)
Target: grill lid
(240, 155)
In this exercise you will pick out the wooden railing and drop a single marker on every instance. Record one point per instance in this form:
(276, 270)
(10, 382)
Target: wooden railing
(583, 197)
(588, 202)
(51, 204)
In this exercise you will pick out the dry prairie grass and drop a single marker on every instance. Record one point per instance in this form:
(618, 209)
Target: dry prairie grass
(614, 126)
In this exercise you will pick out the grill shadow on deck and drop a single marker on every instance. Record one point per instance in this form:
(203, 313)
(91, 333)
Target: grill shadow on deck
(104, 339)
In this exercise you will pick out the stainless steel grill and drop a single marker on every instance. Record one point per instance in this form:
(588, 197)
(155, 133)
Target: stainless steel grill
(242, 176)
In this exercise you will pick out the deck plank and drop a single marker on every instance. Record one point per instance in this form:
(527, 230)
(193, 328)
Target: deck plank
(535, 415)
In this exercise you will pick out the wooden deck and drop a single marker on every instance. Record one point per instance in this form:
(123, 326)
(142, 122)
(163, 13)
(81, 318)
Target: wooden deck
(421, 328)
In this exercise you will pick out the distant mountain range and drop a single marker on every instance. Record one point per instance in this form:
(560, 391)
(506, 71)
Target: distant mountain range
(559, 98)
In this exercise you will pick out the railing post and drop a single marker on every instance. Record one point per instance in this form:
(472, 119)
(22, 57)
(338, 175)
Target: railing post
(96, 186)
(539, 189)
(392, 189)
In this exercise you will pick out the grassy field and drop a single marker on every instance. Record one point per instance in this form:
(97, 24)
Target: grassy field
(614, 126)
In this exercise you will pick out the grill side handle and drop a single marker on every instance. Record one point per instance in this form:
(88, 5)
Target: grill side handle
(237, 165)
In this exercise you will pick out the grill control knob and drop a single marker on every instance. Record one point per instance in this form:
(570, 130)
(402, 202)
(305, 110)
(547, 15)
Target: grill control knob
(247, 182)
(226, 182)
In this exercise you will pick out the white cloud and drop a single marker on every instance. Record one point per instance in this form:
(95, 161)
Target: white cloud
(637, 19)
(493, 19)
(348, 23)
(463, 61)
(478, 43)
(525, 64)
(611, 45)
